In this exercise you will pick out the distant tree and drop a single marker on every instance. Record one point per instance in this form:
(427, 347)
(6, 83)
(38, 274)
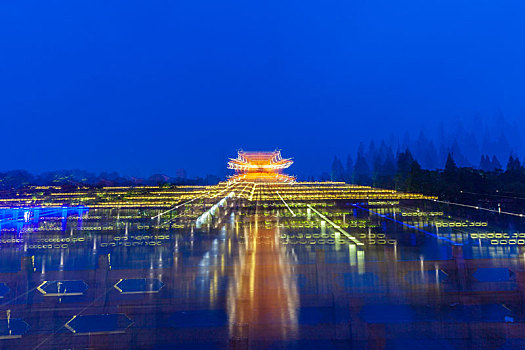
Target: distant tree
(338, 171)
(15, 179)
(389, 161)
(404, 165)
(449, 184)
(514, 165)
(469, 146)
(362, 171)
(377, 165)
(502, 146)
(414, 177)
(431, 156)
(324, 176)
(450, 165)
(371, 155)
(361, 150)
(389, 167)
(67, 177)
(349, 170)
(485, 164)
(409, 171)
(406, 142)
(425, 152)
(404, 162)
(496, 165)
(513, 179)
(158, 179)
(459, 158)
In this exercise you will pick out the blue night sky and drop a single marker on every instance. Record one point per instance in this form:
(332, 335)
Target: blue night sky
(152, 86)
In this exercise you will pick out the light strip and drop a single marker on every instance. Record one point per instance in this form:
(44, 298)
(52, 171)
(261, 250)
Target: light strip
(480, 208)
(337, 227)
(178, 206)
(285, 203)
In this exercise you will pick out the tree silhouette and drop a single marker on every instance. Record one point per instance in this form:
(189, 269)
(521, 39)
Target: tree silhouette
(450, 165)
(404, 165)
(338, 171)
(485, 164)
(514, 165)
(362, 171)
(496, 165)
(349, 171)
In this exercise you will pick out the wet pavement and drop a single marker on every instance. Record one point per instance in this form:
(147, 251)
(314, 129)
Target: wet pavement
(423, 276)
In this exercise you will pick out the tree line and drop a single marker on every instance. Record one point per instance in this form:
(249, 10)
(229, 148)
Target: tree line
(20, 178)
(402, 172)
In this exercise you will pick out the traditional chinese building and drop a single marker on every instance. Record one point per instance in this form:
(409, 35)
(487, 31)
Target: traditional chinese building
(260, 167)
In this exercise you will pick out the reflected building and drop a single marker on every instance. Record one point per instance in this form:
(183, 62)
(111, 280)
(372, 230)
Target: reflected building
(263, 300)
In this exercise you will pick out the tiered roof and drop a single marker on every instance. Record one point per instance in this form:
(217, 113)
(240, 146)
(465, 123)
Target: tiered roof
(260, 167)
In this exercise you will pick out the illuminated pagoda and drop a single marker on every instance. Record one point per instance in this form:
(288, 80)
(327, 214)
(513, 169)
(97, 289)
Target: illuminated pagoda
(260, 167)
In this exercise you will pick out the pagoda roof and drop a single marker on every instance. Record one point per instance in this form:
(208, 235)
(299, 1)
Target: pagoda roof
(258, 160)
(260, 166)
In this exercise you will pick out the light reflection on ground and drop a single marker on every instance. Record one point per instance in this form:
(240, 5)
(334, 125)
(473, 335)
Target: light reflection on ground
(261, 278)
(262, 297)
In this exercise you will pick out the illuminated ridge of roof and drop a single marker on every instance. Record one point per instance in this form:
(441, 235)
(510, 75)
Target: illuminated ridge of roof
(260, 167)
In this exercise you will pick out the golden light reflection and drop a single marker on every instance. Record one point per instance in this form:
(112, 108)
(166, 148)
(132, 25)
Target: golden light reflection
(263, 299)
